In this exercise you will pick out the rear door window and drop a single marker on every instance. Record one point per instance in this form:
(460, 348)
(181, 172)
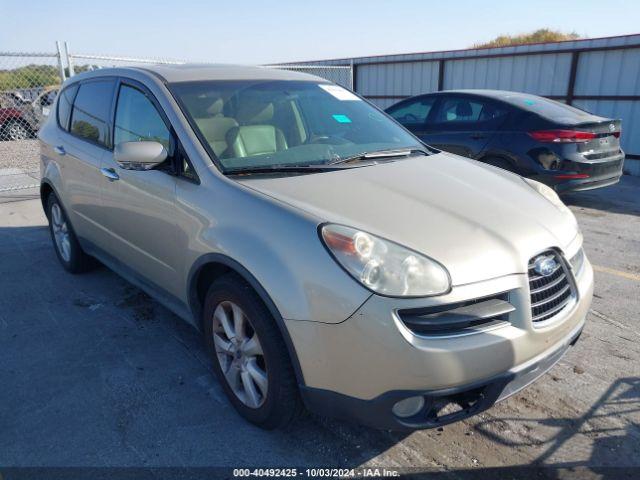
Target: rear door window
(462, 113)
(413, 114)
(91, 111)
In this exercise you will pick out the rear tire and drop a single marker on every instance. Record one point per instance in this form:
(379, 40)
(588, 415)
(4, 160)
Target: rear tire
(249, 355)
(65, 242)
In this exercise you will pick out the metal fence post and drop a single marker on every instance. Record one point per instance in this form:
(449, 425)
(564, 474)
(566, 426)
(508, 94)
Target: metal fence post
(353, 75)
(69, 60)
(441, 64)
(575, 58)
(60, 64)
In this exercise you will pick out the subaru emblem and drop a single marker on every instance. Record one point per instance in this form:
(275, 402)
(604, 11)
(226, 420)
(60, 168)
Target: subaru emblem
(545, 266)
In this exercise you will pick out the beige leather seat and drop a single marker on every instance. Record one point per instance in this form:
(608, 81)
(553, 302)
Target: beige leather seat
(255, 135)
(214, 126)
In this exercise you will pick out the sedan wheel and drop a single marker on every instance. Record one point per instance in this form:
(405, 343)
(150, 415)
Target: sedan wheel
(240, 354)
(17, 131)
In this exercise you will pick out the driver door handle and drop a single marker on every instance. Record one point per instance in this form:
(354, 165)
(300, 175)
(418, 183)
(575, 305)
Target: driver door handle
(110, 173)
(478, 136)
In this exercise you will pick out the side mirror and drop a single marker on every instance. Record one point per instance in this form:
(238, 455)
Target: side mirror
(139, 155)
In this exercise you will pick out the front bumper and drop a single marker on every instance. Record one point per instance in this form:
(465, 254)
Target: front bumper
(369, 361)
(471, 399)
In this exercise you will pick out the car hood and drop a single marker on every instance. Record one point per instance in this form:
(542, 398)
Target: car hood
(479, 221)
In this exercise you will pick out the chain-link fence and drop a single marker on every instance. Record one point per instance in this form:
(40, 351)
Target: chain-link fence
(29, 83)
(340, 74)
(79, 63)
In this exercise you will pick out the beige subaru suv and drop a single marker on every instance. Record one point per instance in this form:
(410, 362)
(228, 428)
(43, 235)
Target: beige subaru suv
(329, 257)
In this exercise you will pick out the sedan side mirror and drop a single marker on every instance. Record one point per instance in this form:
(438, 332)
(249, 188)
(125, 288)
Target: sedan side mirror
(139, 155)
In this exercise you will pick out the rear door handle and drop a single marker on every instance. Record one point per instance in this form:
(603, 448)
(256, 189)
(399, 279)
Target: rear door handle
(478, 136)
(59, 149)
(110, 173)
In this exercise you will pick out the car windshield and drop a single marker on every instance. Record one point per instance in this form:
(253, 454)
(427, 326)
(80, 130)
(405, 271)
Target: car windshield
(253, 124)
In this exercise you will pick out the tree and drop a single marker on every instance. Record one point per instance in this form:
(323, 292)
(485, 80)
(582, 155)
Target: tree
(29, 76)
(542, 35)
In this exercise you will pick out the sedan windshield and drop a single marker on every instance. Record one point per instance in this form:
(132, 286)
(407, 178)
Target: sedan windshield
(256, 124)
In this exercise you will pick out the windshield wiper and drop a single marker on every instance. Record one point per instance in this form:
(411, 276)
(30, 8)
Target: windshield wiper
(337, 164)
(378, 154)
(282, 169)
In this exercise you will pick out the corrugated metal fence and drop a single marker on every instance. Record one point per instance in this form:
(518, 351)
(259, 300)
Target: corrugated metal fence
(600, 75)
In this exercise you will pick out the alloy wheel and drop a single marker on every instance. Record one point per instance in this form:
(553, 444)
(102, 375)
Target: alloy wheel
(60, 232)
(240, 354)
(15, 131)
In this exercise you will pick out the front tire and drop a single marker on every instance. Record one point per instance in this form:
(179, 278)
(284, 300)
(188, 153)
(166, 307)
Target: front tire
(249, 355)
(65, 242)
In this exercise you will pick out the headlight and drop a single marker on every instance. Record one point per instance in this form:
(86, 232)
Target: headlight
(383, 266)
(577, 261)
(548, 193)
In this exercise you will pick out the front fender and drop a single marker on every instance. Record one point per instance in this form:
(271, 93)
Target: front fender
(277, 244)
(303, 282)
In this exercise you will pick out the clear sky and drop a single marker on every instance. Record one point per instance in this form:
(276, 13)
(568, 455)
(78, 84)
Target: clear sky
(254, 32)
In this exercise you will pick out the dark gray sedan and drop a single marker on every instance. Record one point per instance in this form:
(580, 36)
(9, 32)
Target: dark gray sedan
(554, 143)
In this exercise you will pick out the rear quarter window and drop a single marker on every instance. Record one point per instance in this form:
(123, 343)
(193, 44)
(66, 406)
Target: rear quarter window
(65, 103)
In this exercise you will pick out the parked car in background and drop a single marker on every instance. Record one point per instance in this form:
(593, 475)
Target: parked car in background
(40, 107)
(557, 144)
(20, 119)
(329, 257)
(14, 117)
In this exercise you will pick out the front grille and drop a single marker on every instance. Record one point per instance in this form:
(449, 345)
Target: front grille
(550, 293)
(471, 316)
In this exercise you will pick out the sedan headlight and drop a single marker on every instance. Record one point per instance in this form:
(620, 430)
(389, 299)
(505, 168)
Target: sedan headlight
(548, 193)
(383, 266)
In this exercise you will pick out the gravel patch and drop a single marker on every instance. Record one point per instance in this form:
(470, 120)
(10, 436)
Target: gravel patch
(22, 154)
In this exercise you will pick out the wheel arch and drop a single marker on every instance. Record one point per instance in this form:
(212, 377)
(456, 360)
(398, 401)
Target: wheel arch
(487, 156)
(46, 189)
(213, 265)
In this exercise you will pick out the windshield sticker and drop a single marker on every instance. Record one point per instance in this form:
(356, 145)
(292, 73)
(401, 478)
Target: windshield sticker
(341, 118)
(530, 102)
(339, 92)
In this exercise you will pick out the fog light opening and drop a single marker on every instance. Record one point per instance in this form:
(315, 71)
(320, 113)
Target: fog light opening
(408, 407)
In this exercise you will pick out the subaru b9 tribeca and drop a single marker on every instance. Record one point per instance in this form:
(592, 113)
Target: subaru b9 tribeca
(331, 260)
